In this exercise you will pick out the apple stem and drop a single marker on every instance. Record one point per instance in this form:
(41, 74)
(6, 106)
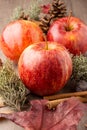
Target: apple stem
(68, 21)
(46, 47)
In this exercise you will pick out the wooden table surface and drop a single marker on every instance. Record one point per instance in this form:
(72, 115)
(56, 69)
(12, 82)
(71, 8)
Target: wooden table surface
(79, 9)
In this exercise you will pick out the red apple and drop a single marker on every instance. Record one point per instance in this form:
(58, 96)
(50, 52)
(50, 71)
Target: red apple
(17, 35)
(70, 32)
(45, 67)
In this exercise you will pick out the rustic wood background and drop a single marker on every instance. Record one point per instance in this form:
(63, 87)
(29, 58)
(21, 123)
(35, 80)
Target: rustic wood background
(79, 9)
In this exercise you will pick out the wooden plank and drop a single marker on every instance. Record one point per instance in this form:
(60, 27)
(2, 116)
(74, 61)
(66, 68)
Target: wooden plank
(79, 8)
(68, 4)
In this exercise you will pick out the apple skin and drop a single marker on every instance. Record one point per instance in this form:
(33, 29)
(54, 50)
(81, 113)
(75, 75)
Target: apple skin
(45, 69)
(70, 32)
(17, 35)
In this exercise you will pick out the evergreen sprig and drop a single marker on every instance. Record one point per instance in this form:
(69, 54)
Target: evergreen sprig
(12, 89)
(17, 13)
(32, 12)
(34, 9)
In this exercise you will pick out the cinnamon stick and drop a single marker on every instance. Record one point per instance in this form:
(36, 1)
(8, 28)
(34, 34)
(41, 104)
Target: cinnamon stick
(52, 104)
(66, 95)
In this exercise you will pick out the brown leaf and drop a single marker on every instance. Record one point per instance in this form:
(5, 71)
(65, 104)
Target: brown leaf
(66, 116)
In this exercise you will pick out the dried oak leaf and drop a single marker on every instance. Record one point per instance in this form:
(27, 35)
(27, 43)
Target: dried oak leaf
(66, 116)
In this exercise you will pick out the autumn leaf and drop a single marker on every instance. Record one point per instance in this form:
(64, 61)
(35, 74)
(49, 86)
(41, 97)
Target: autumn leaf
(66, 116)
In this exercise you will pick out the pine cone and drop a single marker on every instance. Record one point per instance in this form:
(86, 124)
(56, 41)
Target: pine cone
(24, 16)
(57, 10)
(45, 23)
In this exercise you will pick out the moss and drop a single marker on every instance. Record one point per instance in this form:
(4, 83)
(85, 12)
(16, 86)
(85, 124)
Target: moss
(79, 68)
